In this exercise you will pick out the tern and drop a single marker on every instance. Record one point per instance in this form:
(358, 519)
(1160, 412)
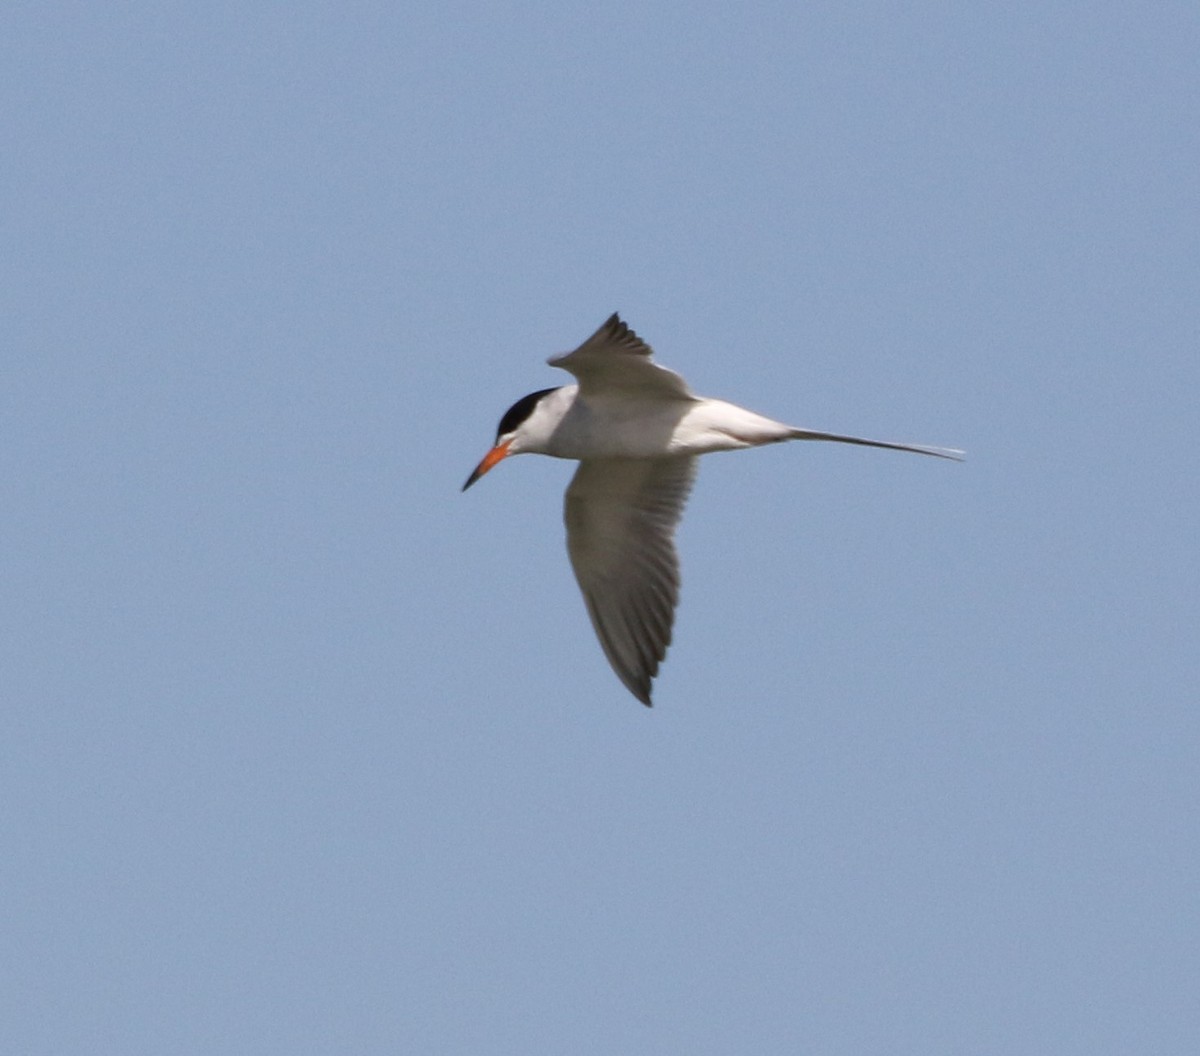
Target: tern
(636, 430)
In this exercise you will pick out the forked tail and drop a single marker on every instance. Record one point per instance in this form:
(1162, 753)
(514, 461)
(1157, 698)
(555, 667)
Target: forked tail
(920, 449)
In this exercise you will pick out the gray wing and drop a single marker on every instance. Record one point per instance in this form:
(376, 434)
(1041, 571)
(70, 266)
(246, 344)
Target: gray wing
(621, 515)
(615, 359)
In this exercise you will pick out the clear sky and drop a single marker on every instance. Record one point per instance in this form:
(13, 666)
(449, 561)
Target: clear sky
(304, 751)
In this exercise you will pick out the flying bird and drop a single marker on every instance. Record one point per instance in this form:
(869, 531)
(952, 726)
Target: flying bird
(636, 430)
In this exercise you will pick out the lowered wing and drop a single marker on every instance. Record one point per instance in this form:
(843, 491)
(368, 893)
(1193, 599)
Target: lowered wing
(621, 515)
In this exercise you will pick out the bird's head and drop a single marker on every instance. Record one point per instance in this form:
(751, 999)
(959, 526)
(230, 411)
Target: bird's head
(521, 429)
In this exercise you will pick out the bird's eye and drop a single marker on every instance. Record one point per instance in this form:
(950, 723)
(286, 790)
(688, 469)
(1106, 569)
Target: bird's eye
(519, 411)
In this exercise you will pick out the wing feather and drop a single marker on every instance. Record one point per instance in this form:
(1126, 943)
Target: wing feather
(621, 515)
(615, 359)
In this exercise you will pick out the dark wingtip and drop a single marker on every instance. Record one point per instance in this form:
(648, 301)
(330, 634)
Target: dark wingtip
(616, 327)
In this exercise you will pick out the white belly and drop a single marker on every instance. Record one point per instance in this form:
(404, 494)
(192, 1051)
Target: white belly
(651, 428)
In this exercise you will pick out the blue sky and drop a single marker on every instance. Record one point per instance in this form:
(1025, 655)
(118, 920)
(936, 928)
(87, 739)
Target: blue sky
(305, 751)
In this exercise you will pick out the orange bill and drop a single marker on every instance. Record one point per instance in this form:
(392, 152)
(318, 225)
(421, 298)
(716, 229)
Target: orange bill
(490, 459)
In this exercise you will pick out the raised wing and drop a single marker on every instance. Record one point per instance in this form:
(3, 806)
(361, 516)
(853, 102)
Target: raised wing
(621, 515)
(615, 359)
